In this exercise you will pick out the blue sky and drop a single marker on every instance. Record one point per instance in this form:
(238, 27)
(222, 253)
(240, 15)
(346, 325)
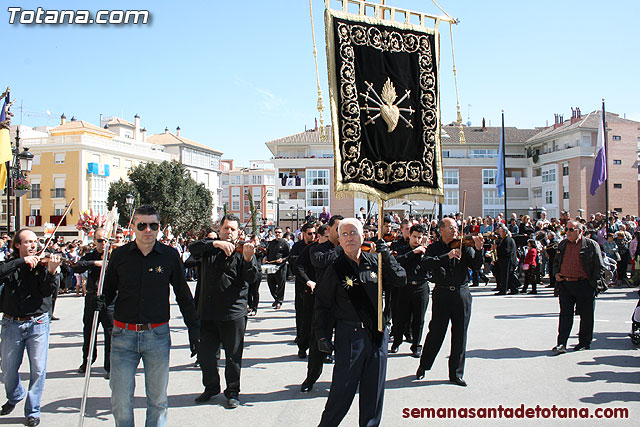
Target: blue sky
(234, 75)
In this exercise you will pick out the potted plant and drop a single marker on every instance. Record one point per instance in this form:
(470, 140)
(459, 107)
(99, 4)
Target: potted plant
(21, 187)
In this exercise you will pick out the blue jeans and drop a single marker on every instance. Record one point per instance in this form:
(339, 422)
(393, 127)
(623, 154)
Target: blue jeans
(127, 347)
(14, 338)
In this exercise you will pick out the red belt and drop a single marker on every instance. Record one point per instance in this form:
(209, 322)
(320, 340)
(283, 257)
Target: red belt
(137, 326)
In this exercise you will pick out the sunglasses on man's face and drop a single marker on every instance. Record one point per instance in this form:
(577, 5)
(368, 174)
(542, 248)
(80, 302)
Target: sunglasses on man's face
(141, 226)
(100, 240)
(571, 229)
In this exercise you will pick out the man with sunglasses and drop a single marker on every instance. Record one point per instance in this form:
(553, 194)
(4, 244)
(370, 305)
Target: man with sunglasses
(579, 268)
(308, 235)
(92, 261)
(140, 273)
(277, 253)
(225, 275)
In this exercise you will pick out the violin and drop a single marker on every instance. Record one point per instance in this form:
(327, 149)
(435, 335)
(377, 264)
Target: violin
(240, 247)
(367, 246)
(46, 257)
(467, 241)
(391, 237)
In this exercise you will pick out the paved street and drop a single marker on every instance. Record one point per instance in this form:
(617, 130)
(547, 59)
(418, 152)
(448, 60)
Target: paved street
(509, 363)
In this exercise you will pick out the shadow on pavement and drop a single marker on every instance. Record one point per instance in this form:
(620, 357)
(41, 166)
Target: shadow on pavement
(506, 353)
(614, 396)
(525, 316)
(606, 376)
(620, 361)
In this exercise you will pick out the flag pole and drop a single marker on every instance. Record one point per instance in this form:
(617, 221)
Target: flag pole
(504, 167)
(380, 236)
(606, 154)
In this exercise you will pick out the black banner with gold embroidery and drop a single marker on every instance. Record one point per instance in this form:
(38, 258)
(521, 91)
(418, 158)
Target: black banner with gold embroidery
(383, 79)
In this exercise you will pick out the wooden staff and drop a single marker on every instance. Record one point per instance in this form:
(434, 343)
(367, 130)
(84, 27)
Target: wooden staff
(66, 211)
(109, 230)
(380, 235)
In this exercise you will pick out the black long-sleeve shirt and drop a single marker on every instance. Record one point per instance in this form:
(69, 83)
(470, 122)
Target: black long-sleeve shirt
(322, 255)
(303, 269)
(87, 262)
(276, 249)
(331, 297)
(224, 282)
(447, 272)
(417, 274)
(142, 285)
(26, 291)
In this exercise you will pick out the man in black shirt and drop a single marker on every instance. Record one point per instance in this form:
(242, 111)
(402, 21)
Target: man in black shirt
(26, 301)
(92, 261)
(412, 300)
(451, 298)
(141, 272)
(349, 290)
(277, 253)
(222, 307)
(308, 235)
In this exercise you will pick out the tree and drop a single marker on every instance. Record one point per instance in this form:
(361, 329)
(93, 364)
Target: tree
(167, 186)
(252, 208)
(118, 193)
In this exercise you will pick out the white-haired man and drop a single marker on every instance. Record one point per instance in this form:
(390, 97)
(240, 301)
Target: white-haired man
(348, 289)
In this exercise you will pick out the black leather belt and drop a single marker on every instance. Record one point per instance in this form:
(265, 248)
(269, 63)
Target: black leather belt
(353, 324)
(448, 288)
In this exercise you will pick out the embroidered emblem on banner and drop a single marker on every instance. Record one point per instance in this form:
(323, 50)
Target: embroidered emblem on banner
(386, 108)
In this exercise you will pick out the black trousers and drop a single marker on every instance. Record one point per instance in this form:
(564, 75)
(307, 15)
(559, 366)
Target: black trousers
(276, 282)
(306, 319)
(254, 295)
(105, 318)
(230, 334)
(454, 306)
(411, 308)
(307, 340)
(359, 363)
(298, 305)
(576, 295)
(507, 275)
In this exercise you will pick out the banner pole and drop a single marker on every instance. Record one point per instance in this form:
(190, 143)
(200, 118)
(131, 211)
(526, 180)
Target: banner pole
(380, 233)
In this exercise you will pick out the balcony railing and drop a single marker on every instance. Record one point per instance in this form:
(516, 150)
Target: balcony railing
(55, 218)
(58, 193)
(33, 220)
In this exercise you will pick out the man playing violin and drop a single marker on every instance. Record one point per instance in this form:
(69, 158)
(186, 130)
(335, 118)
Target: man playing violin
(412, 300)
(451, 297)
(28, 289)
(225, 274)
(92, 261)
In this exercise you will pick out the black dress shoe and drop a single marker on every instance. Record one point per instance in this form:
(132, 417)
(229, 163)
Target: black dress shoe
(82, 369)
(33, 421)
(458, 381)
(206, 395)
(233, 402)
(107, 376)
(306, 387)
(7, 408)
(417, 353)
(500, 293)
(329, 359)
(52, 318)
(581, 347)
(394, 349)
(302, 354)
(420, 373)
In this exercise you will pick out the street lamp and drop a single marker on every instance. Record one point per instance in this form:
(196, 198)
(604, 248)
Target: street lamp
(20, 166)
(411, 204)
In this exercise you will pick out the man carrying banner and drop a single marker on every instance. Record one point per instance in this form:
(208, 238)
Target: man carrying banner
(348, 289)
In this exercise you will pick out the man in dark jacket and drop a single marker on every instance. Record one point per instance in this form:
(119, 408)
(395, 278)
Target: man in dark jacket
(579, 267)
(92, 261)
(308, 235)
(222, 307)
(348, 289)
(277, 253)
(506, 263)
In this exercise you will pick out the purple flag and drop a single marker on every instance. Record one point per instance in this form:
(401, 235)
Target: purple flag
(600, 166)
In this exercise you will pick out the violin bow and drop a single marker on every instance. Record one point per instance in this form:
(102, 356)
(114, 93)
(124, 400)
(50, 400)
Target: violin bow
(46, 244)
(464, 203)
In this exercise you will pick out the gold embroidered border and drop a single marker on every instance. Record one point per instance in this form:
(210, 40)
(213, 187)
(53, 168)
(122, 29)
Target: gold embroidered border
(429, 168)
